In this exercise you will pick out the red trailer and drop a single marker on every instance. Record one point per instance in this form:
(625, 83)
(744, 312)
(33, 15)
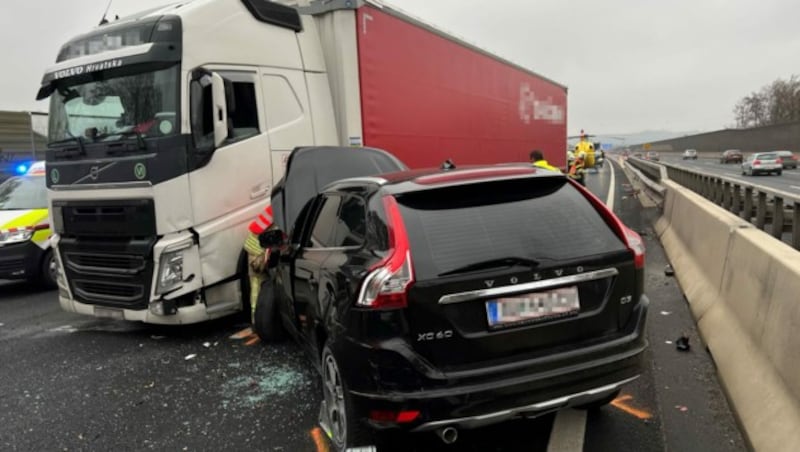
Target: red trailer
(427, 96)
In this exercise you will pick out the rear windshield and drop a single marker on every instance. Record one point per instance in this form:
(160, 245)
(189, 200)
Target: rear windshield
(767, 156)
(544, 220)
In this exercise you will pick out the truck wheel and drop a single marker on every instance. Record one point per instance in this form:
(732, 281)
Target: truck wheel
(244, 289)
(267, 318)
(600, 403)
(48, 271)
(338, 414)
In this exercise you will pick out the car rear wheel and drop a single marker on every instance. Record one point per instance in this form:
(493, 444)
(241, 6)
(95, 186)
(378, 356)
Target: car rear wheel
(267, 318)
(339, 419)
(779, 172)
(599, 403)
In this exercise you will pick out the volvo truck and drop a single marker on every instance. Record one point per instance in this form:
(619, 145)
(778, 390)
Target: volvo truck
(169, 128)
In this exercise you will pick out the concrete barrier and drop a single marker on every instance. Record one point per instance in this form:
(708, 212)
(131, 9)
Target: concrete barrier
(743, 287)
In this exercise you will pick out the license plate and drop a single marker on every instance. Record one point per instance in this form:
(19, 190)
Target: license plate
(109, 313)
(533, 307)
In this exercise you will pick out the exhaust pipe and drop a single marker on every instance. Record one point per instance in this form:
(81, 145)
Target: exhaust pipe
(449, 435)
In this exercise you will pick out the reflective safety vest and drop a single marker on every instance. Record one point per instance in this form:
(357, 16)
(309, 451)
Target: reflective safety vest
(262, 222)
(544, 164)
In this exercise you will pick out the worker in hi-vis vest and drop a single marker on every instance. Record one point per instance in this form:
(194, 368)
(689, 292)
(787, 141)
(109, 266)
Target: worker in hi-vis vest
(587, 148)
(538, 161)
(257, 256)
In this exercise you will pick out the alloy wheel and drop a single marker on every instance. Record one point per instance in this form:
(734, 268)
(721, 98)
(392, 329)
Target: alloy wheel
(333, 390)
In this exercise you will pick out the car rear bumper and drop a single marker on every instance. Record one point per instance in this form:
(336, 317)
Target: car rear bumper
(20, 260)
(767, 168)
(586, 376)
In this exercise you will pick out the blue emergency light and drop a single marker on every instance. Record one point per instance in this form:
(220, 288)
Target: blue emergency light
(21, 168)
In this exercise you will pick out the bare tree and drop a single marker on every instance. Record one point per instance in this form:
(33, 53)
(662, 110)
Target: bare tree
(776, 103)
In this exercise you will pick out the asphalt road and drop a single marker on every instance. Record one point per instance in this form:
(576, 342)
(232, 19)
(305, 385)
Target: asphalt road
(69, 382)
(788, 181)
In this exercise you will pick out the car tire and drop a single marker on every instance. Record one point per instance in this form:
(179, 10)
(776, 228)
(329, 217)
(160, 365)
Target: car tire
(779, 172)
(599, 403)
(744, 172)
(345, 429)
(48, 271)
(267, 318)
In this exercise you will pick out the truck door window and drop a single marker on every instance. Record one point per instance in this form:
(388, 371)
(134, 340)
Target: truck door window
(243, 118)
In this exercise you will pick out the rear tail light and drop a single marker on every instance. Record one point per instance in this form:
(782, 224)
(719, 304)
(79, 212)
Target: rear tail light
(632, 240)
(387, 284)
(779, 161)
(756, 162)
(400, 417)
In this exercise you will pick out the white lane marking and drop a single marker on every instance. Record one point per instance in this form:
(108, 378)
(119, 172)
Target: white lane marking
(611, 188)
(795, 187)
(569, 429)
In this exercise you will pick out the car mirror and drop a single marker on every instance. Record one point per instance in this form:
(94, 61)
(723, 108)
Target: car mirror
(272, 238)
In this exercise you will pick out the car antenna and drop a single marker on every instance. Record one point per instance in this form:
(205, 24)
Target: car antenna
(104, 21)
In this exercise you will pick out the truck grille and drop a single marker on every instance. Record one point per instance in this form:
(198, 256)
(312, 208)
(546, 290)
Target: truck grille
(109, 271)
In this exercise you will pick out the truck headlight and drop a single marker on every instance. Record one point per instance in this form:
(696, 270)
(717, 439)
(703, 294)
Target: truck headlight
(170, 271)
(20, 235)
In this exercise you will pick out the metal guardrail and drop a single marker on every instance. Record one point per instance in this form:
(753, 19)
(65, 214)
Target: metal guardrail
(652, 170)
(770, 210)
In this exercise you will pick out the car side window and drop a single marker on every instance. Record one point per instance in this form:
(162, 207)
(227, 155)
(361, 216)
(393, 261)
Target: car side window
(323, 233)
(351, 225)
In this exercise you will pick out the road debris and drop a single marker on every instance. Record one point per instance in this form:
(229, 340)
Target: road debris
(666, 312)
(191, 356)
(682, 344)
(669, 271)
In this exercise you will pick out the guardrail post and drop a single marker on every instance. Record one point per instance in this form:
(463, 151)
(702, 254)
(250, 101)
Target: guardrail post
(777, 218)
(720, 191)
(736, 206)
(748, 204)
(796, 226)
(726, 195)
(761, 212)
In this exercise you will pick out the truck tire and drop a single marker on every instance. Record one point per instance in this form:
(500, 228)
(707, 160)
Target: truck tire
(267, 319)
(244, 288)
(48, 271)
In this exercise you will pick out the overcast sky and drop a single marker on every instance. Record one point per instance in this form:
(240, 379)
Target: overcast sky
(630, 65)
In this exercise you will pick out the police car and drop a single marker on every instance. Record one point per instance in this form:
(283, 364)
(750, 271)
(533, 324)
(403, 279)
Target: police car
(25, 251)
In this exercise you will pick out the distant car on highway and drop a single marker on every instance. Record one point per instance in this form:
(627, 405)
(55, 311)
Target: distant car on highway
(732, 156)
(653, 155)
(419, 318)
(762, 163)
(690, 154)
(789, 159)
(638, 155)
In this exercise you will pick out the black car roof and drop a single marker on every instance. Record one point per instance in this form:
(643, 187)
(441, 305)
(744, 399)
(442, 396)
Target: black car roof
(310, 169)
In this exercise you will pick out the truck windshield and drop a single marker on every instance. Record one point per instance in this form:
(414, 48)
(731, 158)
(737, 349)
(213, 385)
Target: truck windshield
(143, 105)
(23, 193)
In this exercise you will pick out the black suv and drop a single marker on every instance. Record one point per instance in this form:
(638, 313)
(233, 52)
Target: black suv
(439, 300)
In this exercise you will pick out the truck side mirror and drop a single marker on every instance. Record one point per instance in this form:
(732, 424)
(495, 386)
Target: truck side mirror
(209, 112)
(220, 118)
